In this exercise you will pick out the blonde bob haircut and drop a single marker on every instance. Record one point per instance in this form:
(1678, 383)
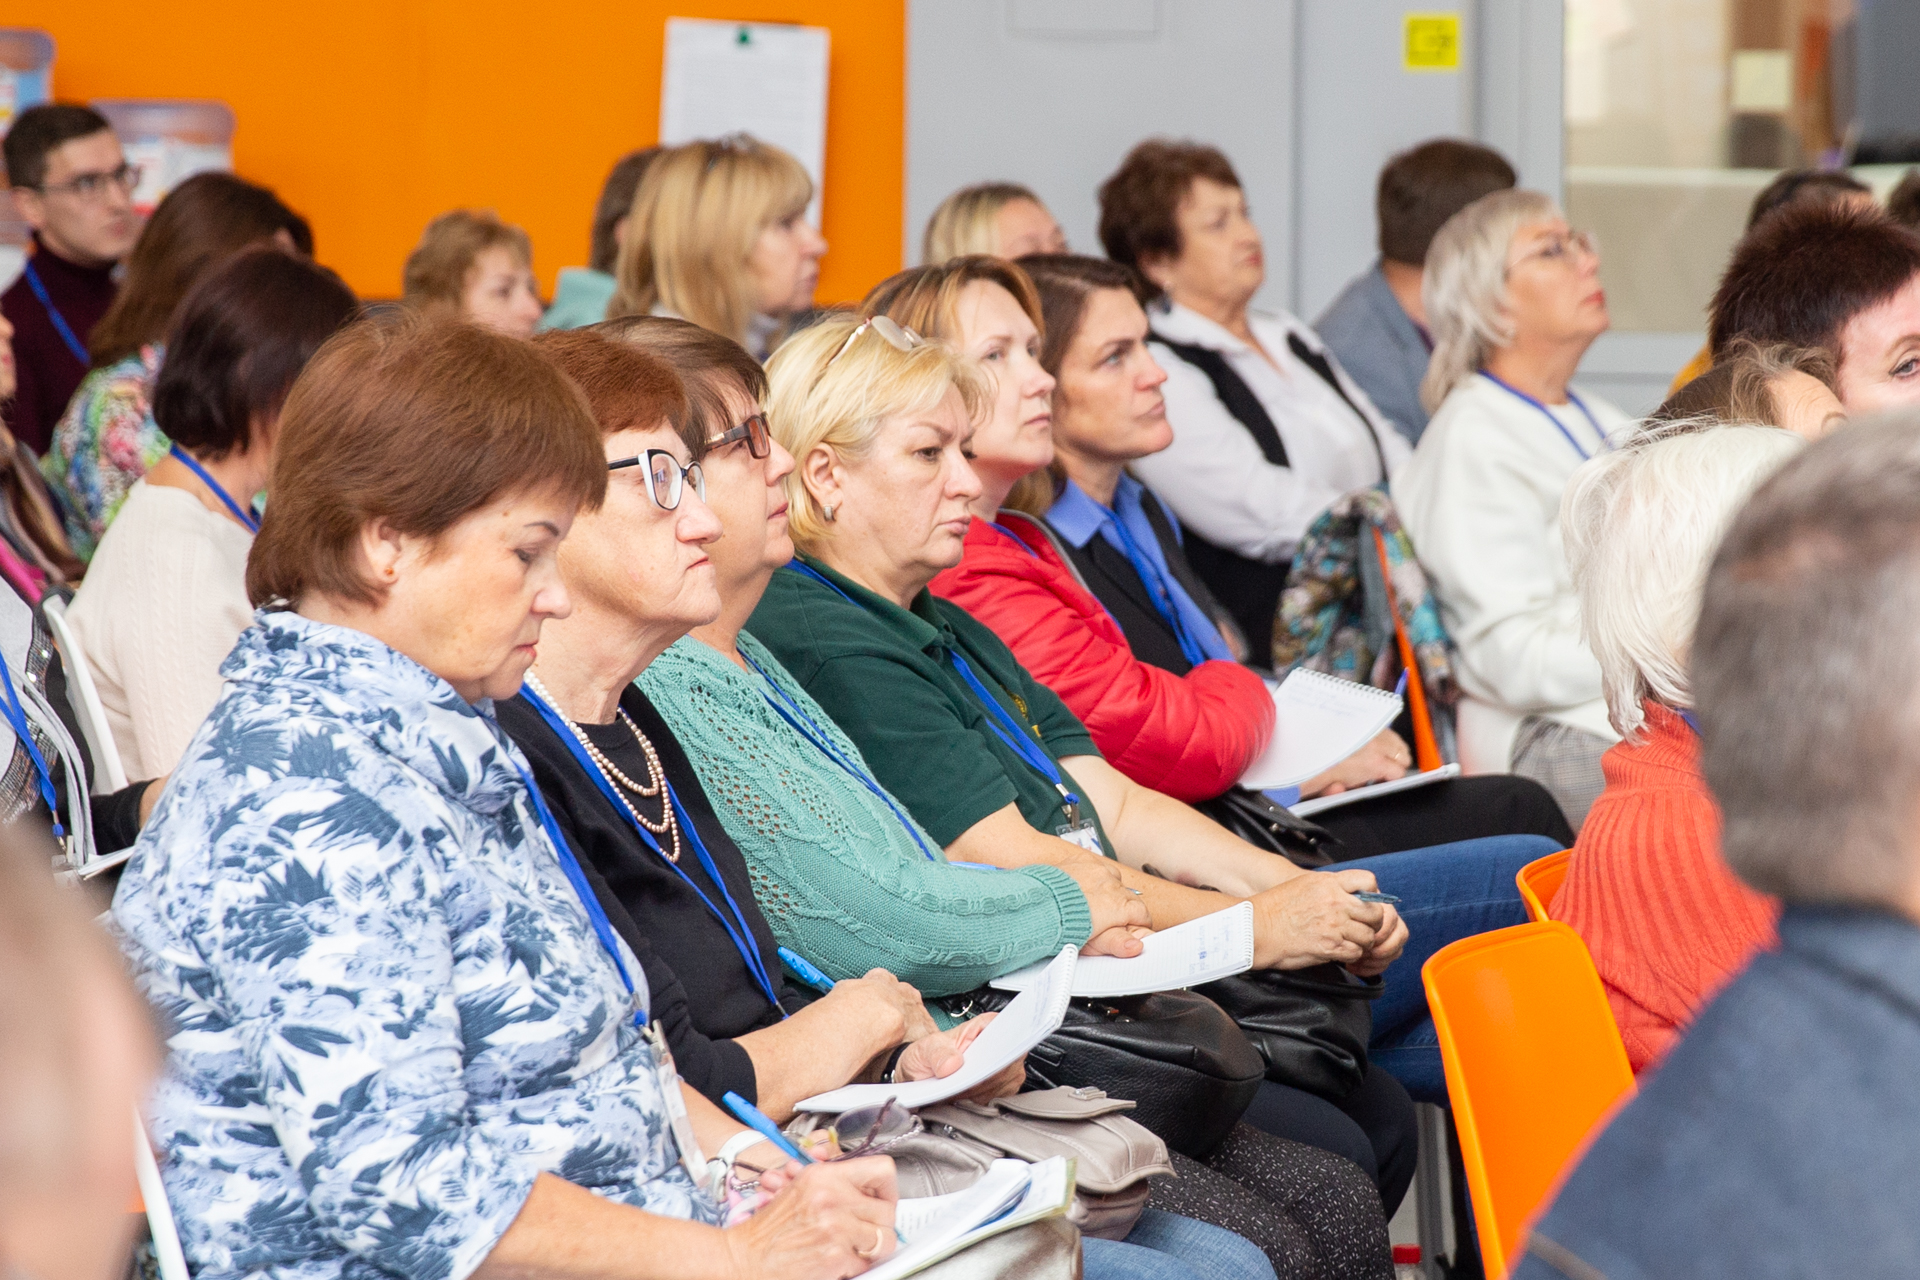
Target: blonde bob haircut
(1465, 289)
(818, 396)
(1641, 524)
(965, 223)
(694, 221)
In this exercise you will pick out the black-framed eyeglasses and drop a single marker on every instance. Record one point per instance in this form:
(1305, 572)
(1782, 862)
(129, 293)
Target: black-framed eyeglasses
(91, 186)
(866, 1130)
(754, 431)
(666, 478)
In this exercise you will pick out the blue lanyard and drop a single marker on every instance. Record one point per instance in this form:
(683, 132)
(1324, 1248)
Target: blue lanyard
(243, 516)
(17, 718)
(796, 716)
(596, 914)
(1692, 723)
(737, 929)
(1561, 426)
(999, 720)
(1157, 588)
(60, 325)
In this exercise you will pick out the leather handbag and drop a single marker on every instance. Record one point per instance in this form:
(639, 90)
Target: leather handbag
(1272, 827)
(958, 1141)
(1311, 1026)
(1188, 1069)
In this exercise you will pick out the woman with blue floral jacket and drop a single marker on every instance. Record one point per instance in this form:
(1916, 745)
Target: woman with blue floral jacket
(398, 1044)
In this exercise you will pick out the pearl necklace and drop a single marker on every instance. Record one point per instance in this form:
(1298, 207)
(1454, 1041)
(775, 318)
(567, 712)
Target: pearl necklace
(669, 825)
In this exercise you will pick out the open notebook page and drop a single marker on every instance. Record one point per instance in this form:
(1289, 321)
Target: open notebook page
(1320, 720)
(1213, 946)
(1010, 1194)
(1033, 1015)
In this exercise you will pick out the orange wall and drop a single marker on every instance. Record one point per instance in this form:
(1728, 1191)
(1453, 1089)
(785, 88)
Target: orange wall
(371, 116)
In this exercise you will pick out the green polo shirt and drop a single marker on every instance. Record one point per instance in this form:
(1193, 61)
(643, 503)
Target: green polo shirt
(886, 675)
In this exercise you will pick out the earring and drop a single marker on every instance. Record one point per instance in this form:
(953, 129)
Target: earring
(826, 510)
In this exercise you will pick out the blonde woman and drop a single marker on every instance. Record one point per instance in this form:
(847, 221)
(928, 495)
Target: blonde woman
(1514, 299)
(1001, 219)
(719, 235)
(471, 264)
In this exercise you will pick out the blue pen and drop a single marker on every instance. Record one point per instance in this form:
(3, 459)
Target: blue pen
(1400, 685)
(806, 970)
(1367, 896)
(749, 1115)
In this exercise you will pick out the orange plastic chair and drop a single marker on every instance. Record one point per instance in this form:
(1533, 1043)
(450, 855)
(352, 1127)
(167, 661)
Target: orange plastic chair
(1540, 880)
(1534, 1063)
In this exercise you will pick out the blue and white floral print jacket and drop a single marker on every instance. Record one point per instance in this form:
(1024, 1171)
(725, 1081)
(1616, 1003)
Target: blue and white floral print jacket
(388, 1012)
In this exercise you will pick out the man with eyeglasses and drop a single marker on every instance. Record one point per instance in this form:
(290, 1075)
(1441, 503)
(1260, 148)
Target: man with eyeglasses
(73, 186)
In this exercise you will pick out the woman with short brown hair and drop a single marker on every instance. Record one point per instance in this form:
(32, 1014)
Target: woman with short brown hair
(403, 1040)
(471, 264)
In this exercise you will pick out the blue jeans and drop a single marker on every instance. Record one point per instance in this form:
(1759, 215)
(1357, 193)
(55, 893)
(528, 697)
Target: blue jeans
(1447, 892)
(1166, 1246)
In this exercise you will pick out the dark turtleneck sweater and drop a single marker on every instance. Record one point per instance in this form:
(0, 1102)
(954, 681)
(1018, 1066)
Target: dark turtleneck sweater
(47, 368)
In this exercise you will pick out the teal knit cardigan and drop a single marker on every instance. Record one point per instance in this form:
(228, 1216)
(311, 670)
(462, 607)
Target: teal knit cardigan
(839, 877)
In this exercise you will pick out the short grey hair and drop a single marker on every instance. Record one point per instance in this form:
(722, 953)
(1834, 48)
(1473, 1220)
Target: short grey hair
(1465, 287)
(1639, 525)
(1806, 671)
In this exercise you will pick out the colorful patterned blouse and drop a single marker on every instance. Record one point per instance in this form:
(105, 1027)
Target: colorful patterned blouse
(389, 1011)
(105, 441)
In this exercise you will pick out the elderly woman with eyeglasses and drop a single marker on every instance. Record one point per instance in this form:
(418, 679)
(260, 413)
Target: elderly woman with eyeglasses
(1513, 295)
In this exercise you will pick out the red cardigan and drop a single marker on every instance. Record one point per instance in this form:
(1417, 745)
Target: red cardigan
(1666, 920)
(1190, 736)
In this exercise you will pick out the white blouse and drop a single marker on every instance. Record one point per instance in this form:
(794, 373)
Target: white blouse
(163, 601)
(1481, 502)
(1214, 476)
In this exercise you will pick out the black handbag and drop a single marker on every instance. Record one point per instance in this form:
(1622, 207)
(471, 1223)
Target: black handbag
(1272, 827)
(1188, 1069)
(1311, 1026)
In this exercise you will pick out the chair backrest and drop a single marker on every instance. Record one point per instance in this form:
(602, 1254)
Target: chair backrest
(1540, 880)
(108, 775)
(1534, 1062)
(153, 1194)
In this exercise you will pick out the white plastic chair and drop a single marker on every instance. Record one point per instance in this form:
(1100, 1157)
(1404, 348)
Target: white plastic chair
(153, 1195)
(108, 775)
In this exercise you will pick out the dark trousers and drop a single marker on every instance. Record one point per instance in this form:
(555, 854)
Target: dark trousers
(1494, 804)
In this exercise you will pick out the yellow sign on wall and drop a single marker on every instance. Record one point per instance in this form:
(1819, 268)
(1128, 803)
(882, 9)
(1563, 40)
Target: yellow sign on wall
(1433, 42)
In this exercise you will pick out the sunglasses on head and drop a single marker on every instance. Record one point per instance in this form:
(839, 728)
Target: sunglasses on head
(666, 478)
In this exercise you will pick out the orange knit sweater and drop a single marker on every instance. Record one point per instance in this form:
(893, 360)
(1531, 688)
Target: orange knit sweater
(1666, 920)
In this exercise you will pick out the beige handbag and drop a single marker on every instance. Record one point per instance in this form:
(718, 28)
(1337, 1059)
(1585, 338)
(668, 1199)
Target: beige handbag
(1113, 1156)
(1048, 1250)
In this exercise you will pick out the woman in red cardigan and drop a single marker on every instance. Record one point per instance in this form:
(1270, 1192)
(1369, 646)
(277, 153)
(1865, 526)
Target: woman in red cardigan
(1097, 600)
(1667, 922)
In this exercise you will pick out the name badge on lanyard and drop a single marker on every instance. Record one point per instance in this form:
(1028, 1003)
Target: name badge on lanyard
(1086, 835)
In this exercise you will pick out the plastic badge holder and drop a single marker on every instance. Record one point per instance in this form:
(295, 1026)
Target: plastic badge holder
(171, 139)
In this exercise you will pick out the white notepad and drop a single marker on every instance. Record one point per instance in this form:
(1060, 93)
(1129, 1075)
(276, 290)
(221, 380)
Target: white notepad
(1033, 1015)
(1011, 1193)
(1320, 804)
(1320, 720)
(1214, 946)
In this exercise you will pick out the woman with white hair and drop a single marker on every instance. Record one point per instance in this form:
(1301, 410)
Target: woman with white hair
(1513, 295)
(719, 235)
(1000, 219)
(1666, 920)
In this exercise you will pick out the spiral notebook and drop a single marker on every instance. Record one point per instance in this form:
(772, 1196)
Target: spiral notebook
(1320, 720)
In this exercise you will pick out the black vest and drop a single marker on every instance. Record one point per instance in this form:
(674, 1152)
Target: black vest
(1109, 575)
(1250, 589)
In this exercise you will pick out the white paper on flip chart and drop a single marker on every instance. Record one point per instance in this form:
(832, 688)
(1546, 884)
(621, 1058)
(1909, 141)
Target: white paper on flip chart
(1031, 1017)
(1320, 804)
(1320, 720)
(1010, 1194)
(766, 79)
(1213, 946)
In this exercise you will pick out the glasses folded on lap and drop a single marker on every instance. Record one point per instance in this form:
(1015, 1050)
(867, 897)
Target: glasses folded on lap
(666, 478)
